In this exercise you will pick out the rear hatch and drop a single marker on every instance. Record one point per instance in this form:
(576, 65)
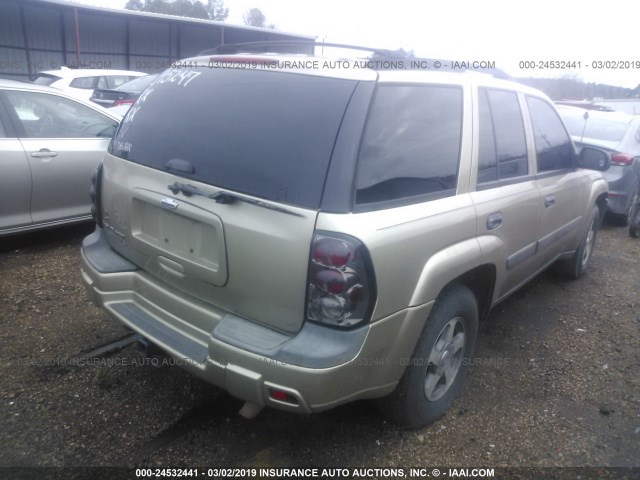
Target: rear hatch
(214, 179)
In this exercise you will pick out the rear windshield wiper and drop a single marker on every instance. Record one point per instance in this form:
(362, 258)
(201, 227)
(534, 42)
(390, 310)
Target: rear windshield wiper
(226, 198)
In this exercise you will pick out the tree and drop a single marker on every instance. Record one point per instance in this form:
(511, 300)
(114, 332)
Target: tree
(254, 18)
(136, 5)
(217, 10)
(188, 8)
(214, 10)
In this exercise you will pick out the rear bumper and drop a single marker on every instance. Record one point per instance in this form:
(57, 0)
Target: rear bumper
(317, 368)
(622, 184)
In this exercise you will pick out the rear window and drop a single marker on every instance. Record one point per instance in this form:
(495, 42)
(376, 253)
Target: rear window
(85, 82)
(114, 81)
(597, 128)
(138, 84)
(45, 79)
(268, 134)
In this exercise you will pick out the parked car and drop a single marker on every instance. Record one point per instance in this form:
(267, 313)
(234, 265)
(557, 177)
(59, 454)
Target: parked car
(336, 234)
(618, 134)
(125, 94)
(80, 83)
(49, 145)
(625, 105)
(586, 104)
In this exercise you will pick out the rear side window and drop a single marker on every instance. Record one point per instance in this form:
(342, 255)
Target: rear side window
(44, 115)
(554, 148)
(411, 144)
(502, 151)
(268, 134)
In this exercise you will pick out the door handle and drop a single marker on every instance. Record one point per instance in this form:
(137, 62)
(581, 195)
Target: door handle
(549, 201)
(44, 153)
(494, 220)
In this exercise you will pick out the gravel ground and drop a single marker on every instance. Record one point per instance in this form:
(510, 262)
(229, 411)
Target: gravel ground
(555, 382)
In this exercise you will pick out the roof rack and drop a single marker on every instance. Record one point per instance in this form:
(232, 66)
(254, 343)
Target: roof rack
(382, 59)
(262, 47)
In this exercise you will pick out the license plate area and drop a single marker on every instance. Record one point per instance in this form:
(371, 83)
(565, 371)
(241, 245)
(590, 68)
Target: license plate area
(185, 243)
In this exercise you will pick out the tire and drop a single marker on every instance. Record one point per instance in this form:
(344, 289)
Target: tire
(624, 219)
(634, 224)
(574, 267)
(436, 369)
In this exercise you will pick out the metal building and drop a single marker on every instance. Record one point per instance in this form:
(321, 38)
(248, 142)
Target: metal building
(38, 35)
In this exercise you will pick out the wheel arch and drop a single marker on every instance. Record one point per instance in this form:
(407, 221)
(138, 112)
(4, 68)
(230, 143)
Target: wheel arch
(481, 281)
(461, 263)
(601, 203)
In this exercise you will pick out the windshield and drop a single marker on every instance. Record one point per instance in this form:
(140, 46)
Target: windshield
(268, 134)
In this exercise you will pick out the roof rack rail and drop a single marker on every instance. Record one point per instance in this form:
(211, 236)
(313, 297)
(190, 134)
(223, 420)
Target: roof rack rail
(260, 47)
(379, 55)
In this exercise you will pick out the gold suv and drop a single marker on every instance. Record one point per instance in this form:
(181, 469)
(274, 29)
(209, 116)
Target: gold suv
(303, 235)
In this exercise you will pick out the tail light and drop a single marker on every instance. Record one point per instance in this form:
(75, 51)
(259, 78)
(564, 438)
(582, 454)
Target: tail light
(341, 286)
(95, 194)
(125, 101)
(621, 159)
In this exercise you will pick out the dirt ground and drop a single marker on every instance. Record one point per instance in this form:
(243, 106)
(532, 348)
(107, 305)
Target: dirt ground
(555, 381)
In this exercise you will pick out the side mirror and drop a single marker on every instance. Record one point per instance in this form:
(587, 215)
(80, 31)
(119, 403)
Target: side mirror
(594, 159)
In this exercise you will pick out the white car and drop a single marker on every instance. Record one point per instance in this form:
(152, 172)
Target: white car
(80, 83)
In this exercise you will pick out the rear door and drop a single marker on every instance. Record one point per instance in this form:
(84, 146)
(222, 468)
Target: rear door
(64, 141)
(506, 196)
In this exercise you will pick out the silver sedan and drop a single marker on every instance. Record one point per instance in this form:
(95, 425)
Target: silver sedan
(49, 145)
(619, 134)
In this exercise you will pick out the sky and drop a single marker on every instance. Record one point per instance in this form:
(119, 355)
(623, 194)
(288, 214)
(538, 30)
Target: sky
(600, 38)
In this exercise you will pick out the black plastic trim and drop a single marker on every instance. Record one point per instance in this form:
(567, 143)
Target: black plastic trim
(101, 257)
(314, 346)
(337, 193)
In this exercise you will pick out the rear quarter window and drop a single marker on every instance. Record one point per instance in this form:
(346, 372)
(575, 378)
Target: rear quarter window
(411, 144)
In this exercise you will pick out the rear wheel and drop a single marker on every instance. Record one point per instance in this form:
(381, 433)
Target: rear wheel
(435, 371)
(634, 223)
(575, 266)
(624, 219)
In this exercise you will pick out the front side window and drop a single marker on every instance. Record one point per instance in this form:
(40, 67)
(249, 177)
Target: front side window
(502, 151)
(411, 144)
(49, 116)
(554, 148)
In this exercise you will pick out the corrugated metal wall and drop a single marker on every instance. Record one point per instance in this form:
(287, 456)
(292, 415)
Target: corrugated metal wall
(38, 35)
